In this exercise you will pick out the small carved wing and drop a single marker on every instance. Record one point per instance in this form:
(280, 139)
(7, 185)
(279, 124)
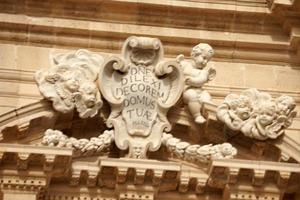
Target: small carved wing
(180, 58)
(211, 74)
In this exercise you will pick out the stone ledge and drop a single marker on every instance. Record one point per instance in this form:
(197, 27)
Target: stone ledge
(215, 5)
(139, 163)
(104, 35)
(33, 149)
(257, 165)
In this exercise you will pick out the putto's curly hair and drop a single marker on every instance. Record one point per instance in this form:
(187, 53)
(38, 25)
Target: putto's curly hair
(202, 49)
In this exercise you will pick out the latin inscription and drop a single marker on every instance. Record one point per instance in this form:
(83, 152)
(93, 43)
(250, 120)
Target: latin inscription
(141, 89)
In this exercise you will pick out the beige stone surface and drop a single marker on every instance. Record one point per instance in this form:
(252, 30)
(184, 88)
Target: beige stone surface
(32, 58)
(15, 195)
(8, 54)
(236, 78)
(256, 44)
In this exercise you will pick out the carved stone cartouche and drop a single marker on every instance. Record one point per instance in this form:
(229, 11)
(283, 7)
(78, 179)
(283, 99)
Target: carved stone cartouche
(140, 88)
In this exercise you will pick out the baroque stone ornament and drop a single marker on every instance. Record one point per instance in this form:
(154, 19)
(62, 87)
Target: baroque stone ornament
(70, 83)
(195, 153)
(256, 114)
(196, 74)
(82, 147)
(140, 89)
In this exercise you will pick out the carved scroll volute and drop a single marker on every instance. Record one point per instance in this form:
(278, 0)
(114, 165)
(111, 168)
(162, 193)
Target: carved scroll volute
(109, 80)
(140, 92)
(171, 75)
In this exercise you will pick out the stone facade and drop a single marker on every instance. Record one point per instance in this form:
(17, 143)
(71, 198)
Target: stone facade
(74, 123)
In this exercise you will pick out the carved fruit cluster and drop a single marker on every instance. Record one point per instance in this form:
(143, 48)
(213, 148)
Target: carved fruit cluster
(82, 147)
(196, 153)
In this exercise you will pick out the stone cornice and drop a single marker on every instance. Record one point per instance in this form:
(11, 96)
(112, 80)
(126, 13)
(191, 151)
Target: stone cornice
(234, 6)
(33, 149)
(165, 175)
(181, 172)
(48, 157)
(283, 172)
(289, 147)
(53, 27)
(257, 165)
(273, 4)
(58, 24)
(22, 117)
(287, 12)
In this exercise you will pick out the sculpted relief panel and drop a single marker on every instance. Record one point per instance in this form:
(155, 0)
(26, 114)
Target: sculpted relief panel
(70, 83)
(140, 87)
(256, 114)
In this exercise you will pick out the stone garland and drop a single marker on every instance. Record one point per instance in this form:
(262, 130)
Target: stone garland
(195, 153)
(256, 114)
(82, 147)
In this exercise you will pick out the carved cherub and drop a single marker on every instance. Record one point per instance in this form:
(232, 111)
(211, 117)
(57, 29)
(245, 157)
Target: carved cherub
(258, 125)
(256, 114)
(70, 83)
(283, 116)
(88, 100)
(235, 110)
(285, 105)
(195, 77)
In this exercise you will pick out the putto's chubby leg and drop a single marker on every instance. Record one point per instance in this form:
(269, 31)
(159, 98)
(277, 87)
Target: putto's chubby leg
(191, 97)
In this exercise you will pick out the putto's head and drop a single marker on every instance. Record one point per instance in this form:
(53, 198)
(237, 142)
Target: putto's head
(202, 53)
(89, 93)
(266, 113)
(285, 104)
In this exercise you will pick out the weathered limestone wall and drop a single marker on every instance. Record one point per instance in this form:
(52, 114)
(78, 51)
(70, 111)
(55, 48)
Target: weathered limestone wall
(256, 45)
(19, 62)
